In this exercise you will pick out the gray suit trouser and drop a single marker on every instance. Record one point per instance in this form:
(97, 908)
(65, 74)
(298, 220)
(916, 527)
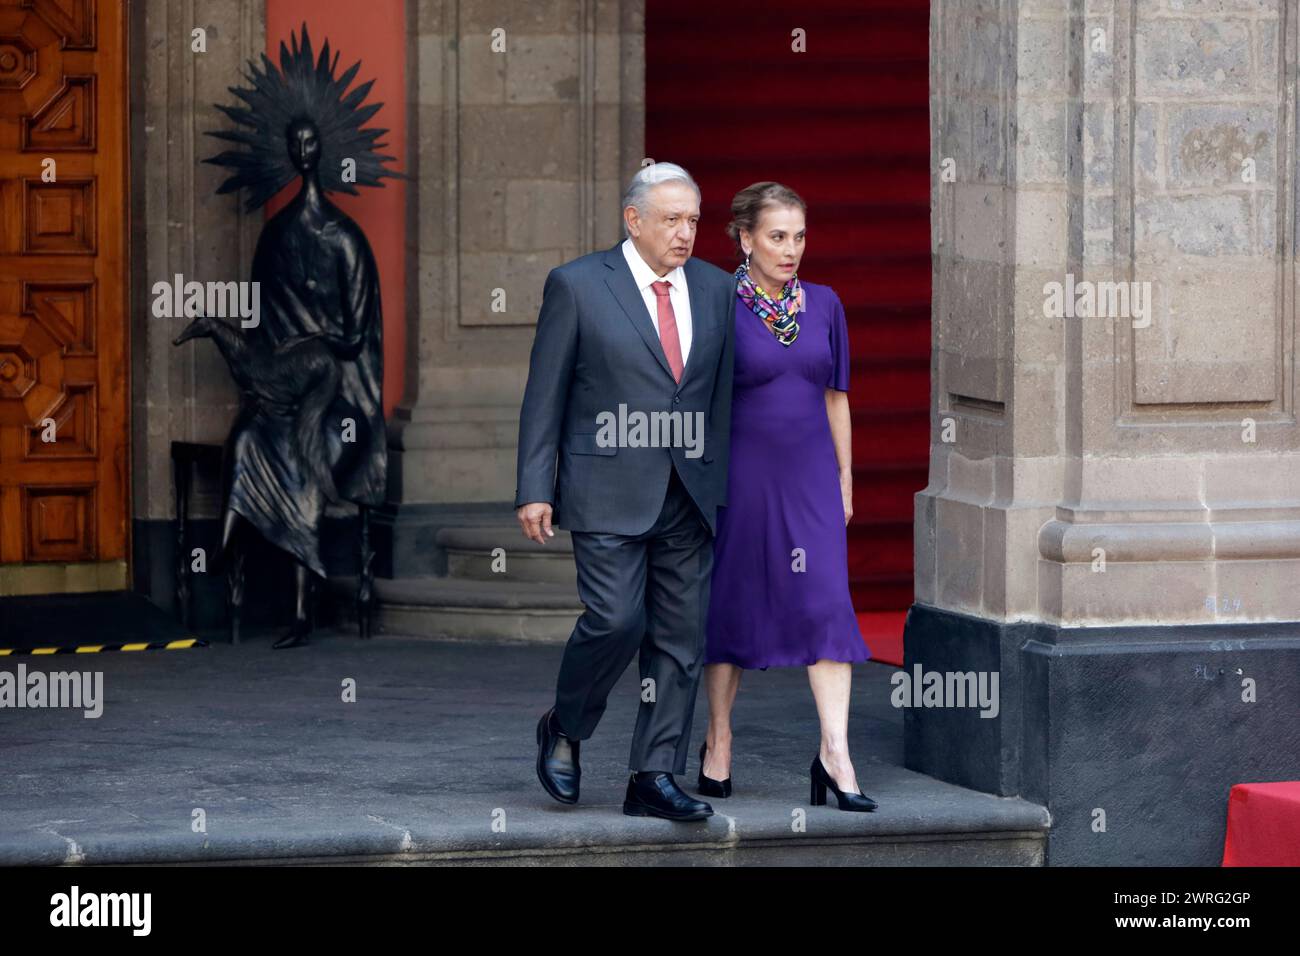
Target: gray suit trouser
(649, 592)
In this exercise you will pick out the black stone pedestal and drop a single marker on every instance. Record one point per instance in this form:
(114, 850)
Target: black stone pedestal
(1130, 736)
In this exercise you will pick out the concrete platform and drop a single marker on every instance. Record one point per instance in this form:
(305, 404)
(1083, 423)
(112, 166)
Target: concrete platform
(434, 763)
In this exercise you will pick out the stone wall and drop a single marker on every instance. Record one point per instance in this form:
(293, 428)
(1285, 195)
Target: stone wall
(520, 156)
(181, 226)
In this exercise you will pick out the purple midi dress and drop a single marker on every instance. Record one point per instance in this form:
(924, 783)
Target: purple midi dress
(783, 493)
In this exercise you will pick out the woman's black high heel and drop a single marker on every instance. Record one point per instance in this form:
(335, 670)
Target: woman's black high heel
(707, 785)
(821, 780)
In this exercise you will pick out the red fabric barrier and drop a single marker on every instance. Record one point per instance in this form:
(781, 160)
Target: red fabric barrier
(1263, 825)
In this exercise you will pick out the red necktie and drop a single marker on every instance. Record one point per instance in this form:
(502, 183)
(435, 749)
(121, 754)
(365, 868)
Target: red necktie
(668, 328)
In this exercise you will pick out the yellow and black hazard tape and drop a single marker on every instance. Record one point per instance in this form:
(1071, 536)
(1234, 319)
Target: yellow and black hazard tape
(98, 648)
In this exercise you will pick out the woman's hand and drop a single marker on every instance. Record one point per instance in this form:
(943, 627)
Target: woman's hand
(837, 412)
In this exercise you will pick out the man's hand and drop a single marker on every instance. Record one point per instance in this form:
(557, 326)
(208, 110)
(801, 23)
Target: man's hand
(535, 518)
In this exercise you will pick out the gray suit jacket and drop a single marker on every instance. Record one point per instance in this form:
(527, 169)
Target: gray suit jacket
(596, 348)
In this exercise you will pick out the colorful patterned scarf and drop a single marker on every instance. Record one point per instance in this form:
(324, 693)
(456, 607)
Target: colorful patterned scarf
(779, 316)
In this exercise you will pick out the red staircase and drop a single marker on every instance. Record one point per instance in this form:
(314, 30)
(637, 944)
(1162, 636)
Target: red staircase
(846, 125)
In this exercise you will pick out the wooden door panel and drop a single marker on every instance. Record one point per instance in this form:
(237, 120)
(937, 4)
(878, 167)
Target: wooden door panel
(63, 294)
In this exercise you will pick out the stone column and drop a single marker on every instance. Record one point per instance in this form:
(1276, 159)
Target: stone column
(1112, 523)
(180, 226)
(526, 121)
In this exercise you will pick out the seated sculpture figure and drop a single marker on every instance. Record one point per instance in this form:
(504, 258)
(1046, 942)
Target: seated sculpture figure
(310, 370)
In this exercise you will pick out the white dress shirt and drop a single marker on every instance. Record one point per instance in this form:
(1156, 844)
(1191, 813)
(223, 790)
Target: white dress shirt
(678, 295)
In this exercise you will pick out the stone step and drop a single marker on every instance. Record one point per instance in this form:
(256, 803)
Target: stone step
(446, 734)
(470, 554)
(759, 833)
(456, 608)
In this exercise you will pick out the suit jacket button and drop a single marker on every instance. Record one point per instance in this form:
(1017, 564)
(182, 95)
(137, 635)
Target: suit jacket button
(677, 399)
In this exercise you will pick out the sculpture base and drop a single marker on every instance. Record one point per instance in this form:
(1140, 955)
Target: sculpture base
(268, 571)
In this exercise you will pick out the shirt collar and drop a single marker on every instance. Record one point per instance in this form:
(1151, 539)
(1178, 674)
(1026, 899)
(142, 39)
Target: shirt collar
(643, 275)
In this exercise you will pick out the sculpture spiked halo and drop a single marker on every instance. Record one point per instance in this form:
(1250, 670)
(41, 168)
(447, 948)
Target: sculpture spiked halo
(302, 88)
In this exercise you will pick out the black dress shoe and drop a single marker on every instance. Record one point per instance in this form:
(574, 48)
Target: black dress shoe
(821, 779)
(707, 785)
(653, 793)
(559, 774)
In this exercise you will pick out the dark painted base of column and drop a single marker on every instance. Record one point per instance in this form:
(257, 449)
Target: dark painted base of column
(1130, 736)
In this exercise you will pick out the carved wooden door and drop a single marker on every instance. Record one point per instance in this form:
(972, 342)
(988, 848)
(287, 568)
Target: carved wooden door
(64, 383)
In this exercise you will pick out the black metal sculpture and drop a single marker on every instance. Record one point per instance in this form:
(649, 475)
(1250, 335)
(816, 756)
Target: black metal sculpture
(310, 373)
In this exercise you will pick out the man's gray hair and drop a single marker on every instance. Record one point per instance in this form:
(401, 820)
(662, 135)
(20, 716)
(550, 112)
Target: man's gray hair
(646, 178)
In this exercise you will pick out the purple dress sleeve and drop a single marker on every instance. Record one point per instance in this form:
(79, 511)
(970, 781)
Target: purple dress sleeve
(839, 335)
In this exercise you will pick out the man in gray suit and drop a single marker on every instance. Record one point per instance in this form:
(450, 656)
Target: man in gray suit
(629, 383)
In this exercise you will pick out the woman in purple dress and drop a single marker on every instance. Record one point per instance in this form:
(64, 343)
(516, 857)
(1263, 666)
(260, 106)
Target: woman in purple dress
(780, 590)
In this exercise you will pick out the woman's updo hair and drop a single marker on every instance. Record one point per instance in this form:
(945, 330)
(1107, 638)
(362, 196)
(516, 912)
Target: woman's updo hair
(747, 208)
